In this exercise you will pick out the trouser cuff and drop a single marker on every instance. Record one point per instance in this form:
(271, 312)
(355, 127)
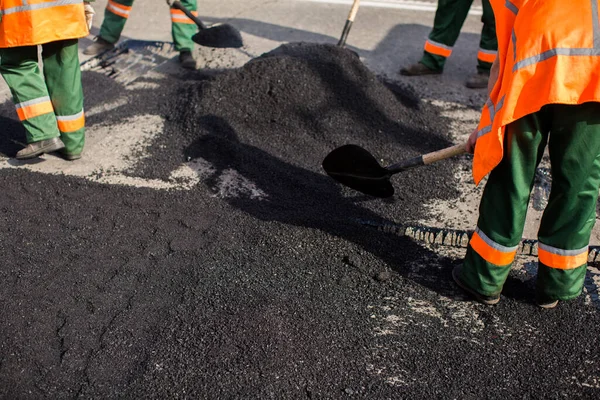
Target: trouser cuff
(560, 284)
(432, 61)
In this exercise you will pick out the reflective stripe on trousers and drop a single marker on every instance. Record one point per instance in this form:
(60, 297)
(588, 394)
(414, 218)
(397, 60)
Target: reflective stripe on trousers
(118, 9)
(179, 17)
(70, 123)
(491, 251)
(554, 257)
(33, 108)
(438, 49)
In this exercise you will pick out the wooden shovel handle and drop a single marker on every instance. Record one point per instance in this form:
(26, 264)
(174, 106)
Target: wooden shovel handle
(354, 10)
(444, 153)
(428, 158)
(349, 22)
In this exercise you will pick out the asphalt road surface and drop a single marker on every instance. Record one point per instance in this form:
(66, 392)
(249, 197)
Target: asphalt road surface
(199, 251)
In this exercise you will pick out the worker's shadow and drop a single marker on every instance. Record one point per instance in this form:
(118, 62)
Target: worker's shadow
(12, 135)
(296, 196)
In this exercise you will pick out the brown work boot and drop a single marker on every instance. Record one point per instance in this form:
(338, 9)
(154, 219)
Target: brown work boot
(487, 300)
(419, 69)
(478, 81)
(187, 60)
(38, 148)
(98, 47)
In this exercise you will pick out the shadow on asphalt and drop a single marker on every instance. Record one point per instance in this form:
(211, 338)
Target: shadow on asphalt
(223, 149)
(12, 133)
(303, 198)
(316, 196)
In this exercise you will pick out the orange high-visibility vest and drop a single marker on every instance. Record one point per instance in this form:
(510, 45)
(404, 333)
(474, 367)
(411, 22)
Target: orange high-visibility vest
(548, 52)
(32, 22)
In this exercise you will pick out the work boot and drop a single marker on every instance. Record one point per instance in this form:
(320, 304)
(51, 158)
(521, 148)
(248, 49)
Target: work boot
(187, 60)
(478, 81)
(38, 148)
(419, 69)
(545, 302)
(69, 156)
(487, 300)
(98, 47)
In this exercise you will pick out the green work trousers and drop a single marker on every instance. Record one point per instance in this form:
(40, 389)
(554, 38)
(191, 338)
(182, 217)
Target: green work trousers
(60, 82)
(113, 25)
(449, 19)
(572, 134)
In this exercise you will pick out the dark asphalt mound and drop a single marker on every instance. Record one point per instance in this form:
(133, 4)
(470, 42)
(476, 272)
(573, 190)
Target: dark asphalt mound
(276, 118)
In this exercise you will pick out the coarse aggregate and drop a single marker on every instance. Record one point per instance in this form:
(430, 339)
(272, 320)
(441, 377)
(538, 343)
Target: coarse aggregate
(120, 292)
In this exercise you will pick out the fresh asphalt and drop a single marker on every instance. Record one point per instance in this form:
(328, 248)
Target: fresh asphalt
(258, 282)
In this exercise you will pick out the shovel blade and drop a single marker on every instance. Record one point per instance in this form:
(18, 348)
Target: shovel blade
(219, 36)
(356, 168)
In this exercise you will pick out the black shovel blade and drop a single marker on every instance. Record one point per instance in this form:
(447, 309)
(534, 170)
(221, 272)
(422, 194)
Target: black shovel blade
(219, 36)
(356, 168)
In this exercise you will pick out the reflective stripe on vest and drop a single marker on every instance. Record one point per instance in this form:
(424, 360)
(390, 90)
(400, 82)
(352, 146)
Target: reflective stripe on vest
(561, 51)
(71, 123)
(548, 53)
(490, 251)
(511, 7)
(38, 6)
(33, 22)
(438, 49)
(491, 113)
(118, 9)
(487, 56)
(179, 17)
(514, 43)
(562, 259)
(33, 108)
(553, 53)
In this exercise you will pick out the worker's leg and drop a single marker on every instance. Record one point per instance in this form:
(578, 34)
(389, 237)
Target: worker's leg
(571, 212)
(503, 206)
(449, 19)
(20, 69)
(182, 27)
(488, 43)
(63, 78)
(115, 16)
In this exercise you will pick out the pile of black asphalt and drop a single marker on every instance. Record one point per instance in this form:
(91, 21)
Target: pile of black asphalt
(271, 288)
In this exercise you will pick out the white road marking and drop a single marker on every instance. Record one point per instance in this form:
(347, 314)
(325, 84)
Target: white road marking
(396, 4)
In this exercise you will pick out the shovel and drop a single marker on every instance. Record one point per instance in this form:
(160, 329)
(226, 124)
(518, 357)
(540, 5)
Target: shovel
(349, 23)
(356, 168)
(220, 36)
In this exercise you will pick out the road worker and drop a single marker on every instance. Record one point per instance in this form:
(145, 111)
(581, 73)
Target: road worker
(544, 91)
(116, 14)
(449, 19)
(49, 103)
